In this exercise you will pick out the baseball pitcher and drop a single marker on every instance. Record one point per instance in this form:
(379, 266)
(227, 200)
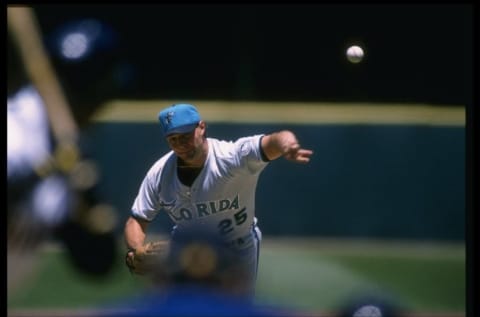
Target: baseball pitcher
(205, 183)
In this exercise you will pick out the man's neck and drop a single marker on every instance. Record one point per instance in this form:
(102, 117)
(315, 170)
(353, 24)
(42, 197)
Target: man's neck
(188, 171)
(197, 162)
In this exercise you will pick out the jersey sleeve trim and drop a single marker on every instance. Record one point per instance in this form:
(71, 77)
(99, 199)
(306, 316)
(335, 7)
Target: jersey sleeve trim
(136, 216)
(262, 152)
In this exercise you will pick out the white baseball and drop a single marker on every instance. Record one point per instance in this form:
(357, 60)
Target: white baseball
(355, 54)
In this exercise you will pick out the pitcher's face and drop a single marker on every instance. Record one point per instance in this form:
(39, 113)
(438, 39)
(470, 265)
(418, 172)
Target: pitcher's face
(188, 146)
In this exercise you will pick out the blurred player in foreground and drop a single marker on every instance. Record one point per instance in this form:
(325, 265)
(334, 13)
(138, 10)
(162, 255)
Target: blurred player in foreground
(199, 275)
(209, 184)
(372, 305)
(52, 185)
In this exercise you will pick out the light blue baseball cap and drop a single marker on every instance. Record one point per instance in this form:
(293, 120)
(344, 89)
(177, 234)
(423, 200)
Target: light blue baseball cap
(179, 118)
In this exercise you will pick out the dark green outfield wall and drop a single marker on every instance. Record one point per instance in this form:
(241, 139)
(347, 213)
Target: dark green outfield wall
(377, 181)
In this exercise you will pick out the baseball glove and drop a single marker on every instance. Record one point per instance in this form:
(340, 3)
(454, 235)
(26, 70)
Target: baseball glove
(147, 258)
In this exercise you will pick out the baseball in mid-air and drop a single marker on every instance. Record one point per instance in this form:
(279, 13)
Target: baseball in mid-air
(355, 54)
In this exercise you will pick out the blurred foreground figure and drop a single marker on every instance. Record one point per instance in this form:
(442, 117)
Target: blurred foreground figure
(200, 275)
(52, 185)
(373, 305)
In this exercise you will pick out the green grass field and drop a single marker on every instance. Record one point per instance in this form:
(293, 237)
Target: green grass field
(324, 275)
(311, 275)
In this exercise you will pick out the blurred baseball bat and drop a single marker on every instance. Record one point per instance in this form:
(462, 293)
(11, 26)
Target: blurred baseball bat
(23, 25)
(87, 228)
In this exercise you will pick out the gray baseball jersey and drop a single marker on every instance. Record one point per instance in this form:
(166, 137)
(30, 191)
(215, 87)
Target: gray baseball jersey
(46, 200)
(222, 197)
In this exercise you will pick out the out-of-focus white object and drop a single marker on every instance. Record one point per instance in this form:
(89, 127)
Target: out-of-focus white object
(355, 54)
